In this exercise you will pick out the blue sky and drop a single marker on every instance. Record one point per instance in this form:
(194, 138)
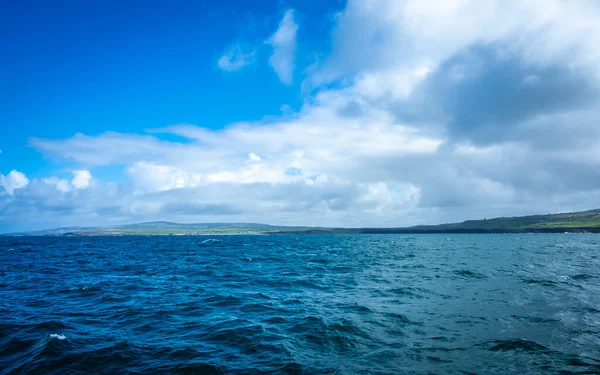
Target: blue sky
(357, 113)
(99, 66)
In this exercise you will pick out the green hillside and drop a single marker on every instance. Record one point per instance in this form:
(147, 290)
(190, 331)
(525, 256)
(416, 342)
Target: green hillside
(578, 220)
(585, 221)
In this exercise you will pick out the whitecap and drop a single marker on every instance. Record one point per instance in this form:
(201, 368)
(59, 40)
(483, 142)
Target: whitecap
(58, 337)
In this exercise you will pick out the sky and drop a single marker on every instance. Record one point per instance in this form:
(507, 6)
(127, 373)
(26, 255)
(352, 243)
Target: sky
(323, 113)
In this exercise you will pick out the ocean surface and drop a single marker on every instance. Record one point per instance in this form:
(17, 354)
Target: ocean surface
(310, 304)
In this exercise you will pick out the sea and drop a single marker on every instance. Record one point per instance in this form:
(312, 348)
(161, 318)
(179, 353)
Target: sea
(301, 304)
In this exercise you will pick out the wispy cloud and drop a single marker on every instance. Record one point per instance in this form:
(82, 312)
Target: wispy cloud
(283, 41)
(236, 57)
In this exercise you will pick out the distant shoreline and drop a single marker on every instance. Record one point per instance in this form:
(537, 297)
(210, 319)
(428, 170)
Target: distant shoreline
(362, 231)
(449, 231)
(571, 222)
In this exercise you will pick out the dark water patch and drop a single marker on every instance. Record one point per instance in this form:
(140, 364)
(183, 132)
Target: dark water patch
(402, 319)
(406, 292)
(359, 309)
(243, 337)
(591, 310)
(520, 345)
(546, 283)
(582, 277)
(222, 301)
(439, 349)
(15, 346)
(590, 363)
(439, 338)
(38, 303)
(262, 308)
(50, 326)
(319, 261)
(469, 274)
(342, 335)
(187, 369)
(437, 359)
(275, 320)
(535, 319)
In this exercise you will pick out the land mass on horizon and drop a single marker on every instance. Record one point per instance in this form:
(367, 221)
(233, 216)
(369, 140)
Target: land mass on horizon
(572, 222)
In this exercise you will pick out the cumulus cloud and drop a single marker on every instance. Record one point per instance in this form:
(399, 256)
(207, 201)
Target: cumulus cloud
(422, 112)
(235, 58)
(283, 41)
(150, 177)
(12, 181)
(81, 180)
(61, 184)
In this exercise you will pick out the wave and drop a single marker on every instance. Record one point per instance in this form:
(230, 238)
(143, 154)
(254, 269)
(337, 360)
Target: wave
(583, 277)
(547, 283)
(406, 292)
(520, 345)
(469, 274)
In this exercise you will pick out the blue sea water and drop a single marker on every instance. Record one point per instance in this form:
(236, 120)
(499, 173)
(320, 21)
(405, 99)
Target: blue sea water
(310, 304)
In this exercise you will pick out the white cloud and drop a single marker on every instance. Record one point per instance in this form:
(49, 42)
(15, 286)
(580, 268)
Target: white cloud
(383, 37)
(81, 179)
(235, 58)
(284, 48)
(150, 177)
(61, 184)
(13, 180)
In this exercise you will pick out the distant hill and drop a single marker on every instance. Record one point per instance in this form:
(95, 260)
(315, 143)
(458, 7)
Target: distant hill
(585, 221)
(165, 228)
